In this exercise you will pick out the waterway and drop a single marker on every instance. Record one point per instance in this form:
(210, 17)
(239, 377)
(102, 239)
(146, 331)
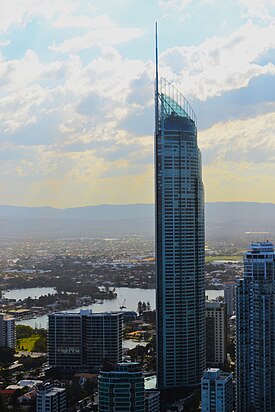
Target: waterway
(131, 296)
(28, 292)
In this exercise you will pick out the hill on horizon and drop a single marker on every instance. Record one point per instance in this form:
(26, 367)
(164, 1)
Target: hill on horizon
(223, 219)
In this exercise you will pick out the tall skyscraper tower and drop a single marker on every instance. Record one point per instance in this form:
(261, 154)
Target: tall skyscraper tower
(255, 320)
(179, 241)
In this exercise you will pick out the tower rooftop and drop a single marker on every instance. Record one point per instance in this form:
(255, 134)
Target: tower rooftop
(174, 103)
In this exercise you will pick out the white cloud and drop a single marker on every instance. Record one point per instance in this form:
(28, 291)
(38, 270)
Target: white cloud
(238, 160)
(247, 140)
(29, 90)
(258, 8)
(220, 64)
(98, 37)
(4, 43)
(70, 21)
(47, 96)
(174, 4)
(17, 13)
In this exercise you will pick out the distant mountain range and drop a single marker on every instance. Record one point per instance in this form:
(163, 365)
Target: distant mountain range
(223, 220)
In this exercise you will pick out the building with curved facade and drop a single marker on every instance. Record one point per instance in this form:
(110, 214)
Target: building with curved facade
(121, 387)
(179, 242)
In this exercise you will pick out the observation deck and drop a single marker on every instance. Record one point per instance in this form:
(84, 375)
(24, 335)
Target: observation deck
(172, 102)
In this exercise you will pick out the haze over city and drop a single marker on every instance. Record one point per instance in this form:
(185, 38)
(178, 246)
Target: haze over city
(77, 97)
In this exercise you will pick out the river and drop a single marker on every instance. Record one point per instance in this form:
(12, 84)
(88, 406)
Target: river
(28, 292)
(132, 296)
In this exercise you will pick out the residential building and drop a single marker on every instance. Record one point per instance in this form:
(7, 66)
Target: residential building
(216, 391)
(255, 330)
(216, 333)
(152, 401)
(121, 388)
(180, 291)
(81, 341)
(7, 331)
(229, 297)
(51, 399)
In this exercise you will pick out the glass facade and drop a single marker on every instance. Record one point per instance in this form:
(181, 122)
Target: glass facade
(179, 243)
(255, 321)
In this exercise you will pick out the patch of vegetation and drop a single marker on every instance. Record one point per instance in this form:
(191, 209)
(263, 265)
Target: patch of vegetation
(27, 343)
(31, 340)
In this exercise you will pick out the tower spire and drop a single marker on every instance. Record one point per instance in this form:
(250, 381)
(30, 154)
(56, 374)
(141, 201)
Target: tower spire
(157, 80)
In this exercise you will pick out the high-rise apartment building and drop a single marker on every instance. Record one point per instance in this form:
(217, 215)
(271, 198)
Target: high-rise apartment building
(152, 401)
(230, 297)
(255, 330)
(121, 388)
(216, 391)
(7, 331)
(83, 340)
(216, 332)
(180, 295)
(51, 399)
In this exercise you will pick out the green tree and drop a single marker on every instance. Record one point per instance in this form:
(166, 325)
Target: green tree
(6, 355)
(2, 405)
(89, 388)
(139, 308)
(24, 331)
(40, 345)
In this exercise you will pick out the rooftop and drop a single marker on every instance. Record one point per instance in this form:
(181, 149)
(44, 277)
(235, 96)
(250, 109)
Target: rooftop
(216, 373)
(265, 246)
(173, 102)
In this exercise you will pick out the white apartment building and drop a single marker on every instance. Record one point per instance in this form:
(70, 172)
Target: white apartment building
(51, 399)
(7, 331)
(230, 297)
(217, 391)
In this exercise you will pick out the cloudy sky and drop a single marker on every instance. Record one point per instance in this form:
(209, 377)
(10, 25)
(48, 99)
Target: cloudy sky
(76, 97)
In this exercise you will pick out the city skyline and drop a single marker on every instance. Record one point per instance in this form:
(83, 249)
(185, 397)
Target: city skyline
(77, 97)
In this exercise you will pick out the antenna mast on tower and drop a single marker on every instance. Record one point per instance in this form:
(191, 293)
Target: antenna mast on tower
(156, 82)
